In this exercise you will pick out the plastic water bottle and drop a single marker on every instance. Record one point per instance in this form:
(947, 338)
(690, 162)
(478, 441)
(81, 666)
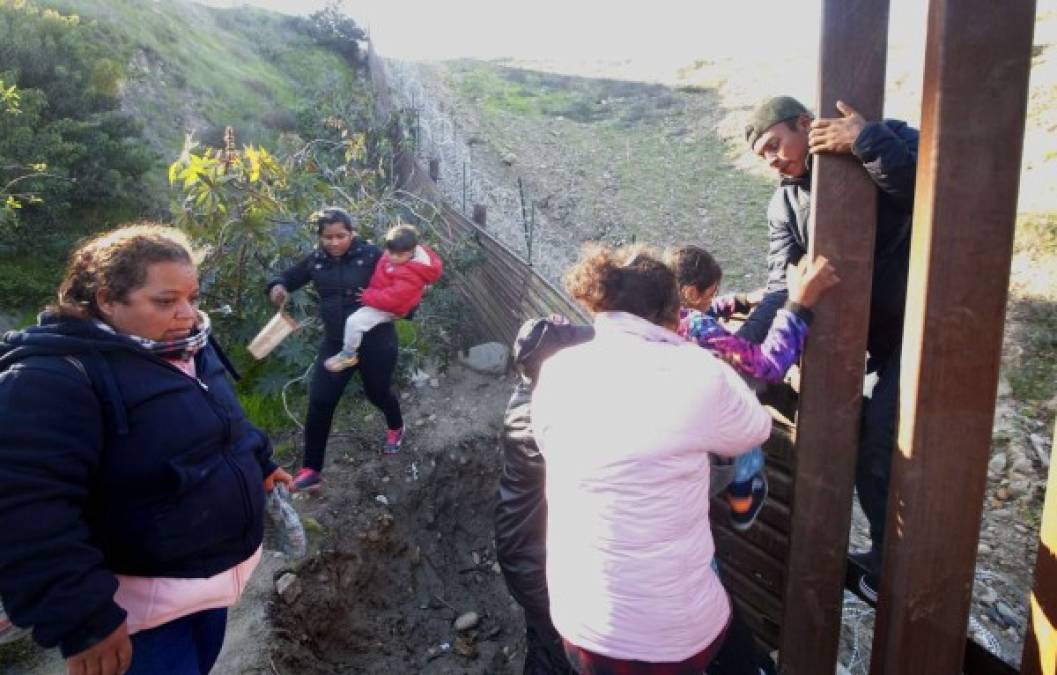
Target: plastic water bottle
(288, 534)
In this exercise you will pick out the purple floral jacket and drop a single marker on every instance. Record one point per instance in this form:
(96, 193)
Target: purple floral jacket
(769, 361)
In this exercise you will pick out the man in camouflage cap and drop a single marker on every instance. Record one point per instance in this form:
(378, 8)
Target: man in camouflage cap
(783, 133)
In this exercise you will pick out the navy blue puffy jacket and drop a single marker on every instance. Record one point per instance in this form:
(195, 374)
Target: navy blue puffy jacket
(114, 462)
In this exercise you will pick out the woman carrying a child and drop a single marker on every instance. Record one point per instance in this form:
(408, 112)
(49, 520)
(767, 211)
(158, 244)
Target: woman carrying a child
(342, 271)
(133, 483)
(626, 423)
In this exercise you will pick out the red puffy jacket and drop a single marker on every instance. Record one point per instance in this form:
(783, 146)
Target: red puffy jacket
(398, 288)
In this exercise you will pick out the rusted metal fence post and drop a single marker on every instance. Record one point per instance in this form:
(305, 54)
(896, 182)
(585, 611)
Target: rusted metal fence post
(843, 214)
(1040, 643)
(434, 170)
(977, 60)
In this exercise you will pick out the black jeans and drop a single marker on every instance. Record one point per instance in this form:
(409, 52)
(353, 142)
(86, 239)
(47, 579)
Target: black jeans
(740, 654)
(873, 468)
(545, 654)
(377, 354)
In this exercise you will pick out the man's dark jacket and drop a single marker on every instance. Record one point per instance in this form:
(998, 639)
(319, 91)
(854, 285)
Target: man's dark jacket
(116, 462)
(337, 280)
(888, 151)
(521, 509)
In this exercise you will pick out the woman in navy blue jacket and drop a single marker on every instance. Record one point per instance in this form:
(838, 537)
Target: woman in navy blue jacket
(133, 482)
(340, 269)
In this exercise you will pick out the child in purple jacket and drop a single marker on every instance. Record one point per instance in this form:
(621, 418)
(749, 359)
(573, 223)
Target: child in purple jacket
(698, 275)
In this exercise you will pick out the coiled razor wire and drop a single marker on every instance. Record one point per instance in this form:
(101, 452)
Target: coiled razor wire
(858, 615)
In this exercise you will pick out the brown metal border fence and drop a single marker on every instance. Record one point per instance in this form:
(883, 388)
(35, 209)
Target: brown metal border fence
(503, 290)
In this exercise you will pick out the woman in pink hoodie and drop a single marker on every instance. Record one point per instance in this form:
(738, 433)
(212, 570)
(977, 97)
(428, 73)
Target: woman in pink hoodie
(626, 423)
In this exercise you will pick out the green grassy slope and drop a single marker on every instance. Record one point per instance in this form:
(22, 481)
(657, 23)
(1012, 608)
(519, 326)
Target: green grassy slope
(195, 68)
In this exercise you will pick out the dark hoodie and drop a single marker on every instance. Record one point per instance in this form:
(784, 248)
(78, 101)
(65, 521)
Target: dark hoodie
(521, 508)
(115, 461)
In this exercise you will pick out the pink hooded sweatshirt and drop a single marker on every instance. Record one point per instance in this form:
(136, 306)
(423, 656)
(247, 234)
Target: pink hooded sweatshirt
(626, 423)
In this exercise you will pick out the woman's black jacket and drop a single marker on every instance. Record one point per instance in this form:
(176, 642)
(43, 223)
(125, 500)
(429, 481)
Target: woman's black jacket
(337, 280)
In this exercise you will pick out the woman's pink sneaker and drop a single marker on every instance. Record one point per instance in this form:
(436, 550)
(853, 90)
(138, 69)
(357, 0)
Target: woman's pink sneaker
(393, 439)
(307, 479)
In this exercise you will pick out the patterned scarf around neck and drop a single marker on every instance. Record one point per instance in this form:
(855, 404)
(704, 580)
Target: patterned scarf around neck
(178, 350)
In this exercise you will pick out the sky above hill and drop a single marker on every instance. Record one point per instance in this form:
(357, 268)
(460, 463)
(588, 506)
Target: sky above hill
(672, 30)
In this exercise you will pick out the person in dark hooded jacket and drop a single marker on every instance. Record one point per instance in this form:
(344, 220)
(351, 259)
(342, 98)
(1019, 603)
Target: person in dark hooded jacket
(133, 482)
(340, 269)
(521, 506)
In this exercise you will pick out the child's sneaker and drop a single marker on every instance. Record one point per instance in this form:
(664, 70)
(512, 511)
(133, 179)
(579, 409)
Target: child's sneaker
(307, 480)
(393, 439)
(744, 510)
(341, 361)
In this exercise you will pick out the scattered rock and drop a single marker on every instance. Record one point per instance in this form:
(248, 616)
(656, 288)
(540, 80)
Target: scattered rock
(419, 378)
(496, 568)
(288, 587)
(435, 383)
(489, 358)
(983, 549)
(1019, 488)
(465, 647)
(466, 621)
(1008, 617)
(476, 557)
(509, 159)
(1042, 446)
(988, 595)
(382, 499)
(1002, 493)
(1023, 466)
(997, 464)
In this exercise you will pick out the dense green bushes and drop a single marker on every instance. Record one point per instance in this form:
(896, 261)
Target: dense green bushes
(75, 158)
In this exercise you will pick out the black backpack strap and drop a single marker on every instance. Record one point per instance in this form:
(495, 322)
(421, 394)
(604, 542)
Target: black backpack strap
(94, 368)
(224, 359)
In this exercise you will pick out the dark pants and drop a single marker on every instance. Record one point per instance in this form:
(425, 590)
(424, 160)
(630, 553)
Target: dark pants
(739, 654)
(545, 653)
(186, 646)
(378, 353)
(877, 438)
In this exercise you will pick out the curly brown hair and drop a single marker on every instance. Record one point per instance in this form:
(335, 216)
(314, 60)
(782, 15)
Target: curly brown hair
(631, 279)
(117, 261)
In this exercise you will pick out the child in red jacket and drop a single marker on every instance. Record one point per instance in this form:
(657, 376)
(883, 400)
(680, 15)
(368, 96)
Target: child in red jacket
(396, 287)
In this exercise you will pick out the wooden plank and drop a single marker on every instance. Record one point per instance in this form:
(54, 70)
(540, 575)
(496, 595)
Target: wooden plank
(764, 627)
(762, 613)
(779, 484)
(774, 541)
(977, 60)
(1040, 643)
(843, 220)
(780, 448)
(738, 553)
